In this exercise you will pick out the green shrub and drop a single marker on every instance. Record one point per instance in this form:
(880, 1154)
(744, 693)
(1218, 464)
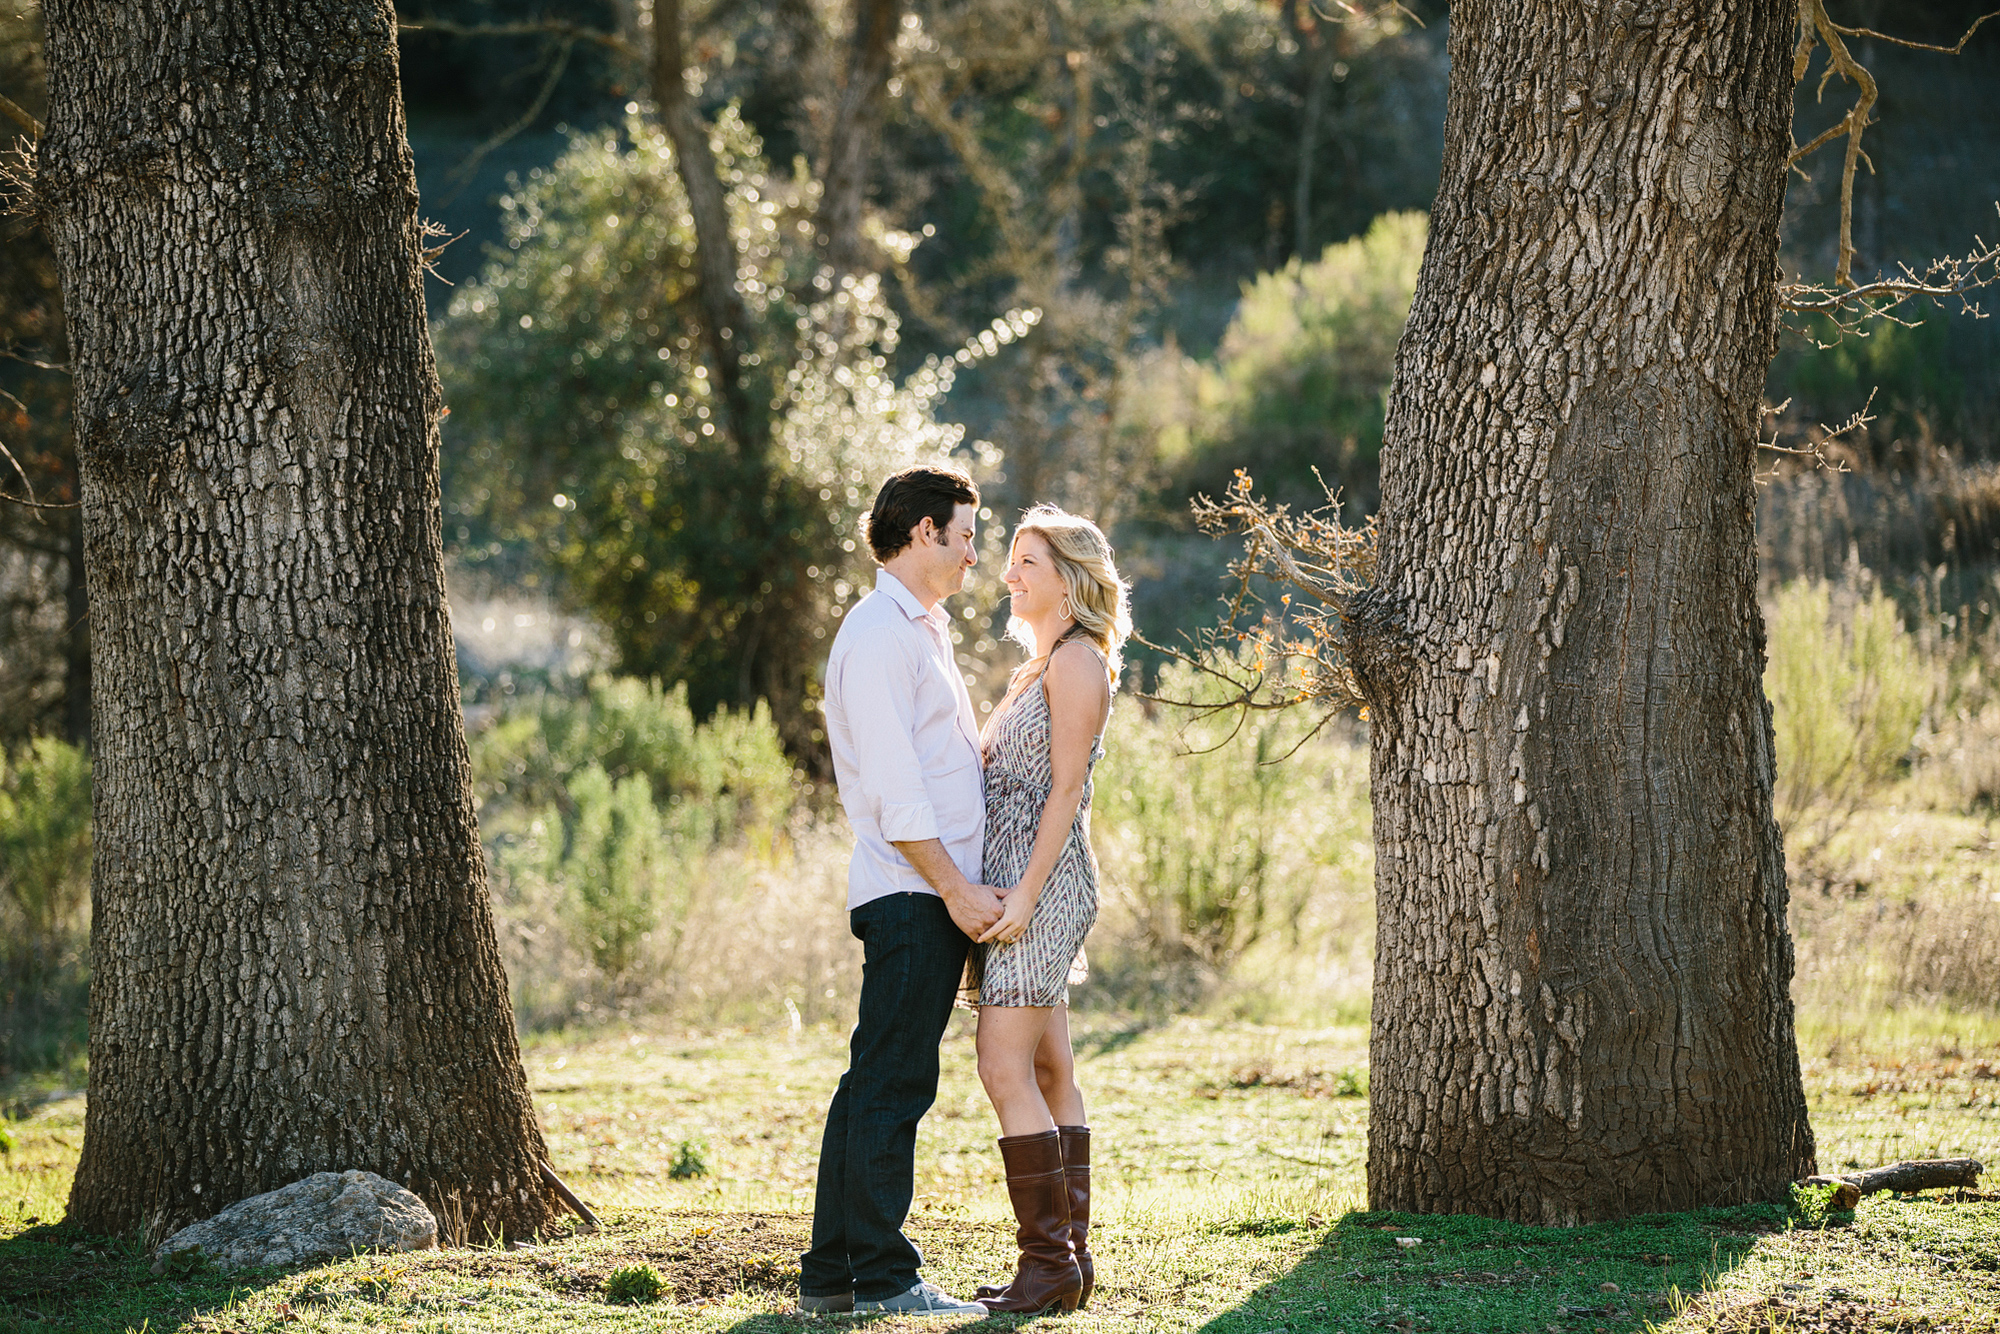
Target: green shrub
(716, 779)
(1301, 380)
(1848, 689)
(44, 848)
(690, 1160)
(587, 439)
(601, 810)
(1215, 837)
(44, 905)
(635, 1285)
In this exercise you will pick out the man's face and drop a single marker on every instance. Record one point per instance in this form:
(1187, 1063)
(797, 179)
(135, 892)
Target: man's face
(951, 551)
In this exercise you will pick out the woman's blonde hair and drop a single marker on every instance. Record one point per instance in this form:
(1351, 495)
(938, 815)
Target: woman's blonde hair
(1099, 600)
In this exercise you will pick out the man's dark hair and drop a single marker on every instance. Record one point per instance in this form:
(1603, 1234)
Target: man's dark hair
(927, 491)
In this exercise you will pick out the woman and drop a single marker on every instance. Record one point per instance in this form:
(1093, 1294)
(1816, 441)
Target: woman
(1070, 612)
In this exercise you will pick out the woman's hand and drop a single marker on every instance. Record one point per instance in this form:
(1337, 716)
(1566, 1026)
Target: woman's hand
(1016, 910)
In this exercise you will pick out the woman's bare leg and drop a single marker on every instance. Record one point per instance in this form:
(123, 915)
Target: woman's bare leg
(1055, 1071)
(1009, 1038)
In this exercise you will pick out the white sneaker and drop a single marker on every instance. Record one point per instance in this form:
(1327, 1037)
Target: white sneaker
(923, 1299)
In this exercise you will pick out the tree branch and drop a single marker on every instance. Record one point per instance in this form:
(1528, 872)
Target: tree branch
(1949, 278)
(724, 312)
(19, 115)
(463, 173)
(1813, 19)
(1956, 49)
(574, 32)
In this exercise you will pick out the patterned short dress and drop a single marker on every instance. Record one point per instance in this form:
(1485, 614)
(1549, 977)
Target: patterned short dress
(1040, 966)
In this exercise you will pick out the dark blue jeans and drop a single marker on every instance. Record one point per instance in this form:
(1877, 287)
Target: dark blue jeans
(912, 959)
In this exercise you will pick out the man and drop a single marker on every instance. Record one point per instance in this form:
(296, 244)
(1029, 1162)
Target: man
(906, 757)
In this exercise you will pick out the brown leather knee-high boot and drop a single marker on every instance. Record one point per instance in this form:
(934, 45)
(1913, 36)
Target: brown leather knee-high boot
(1076, 1175)
(1047, 1274)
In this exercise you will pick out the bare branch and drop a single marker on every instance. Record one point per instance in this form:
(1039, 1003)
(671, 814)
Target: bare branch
(13, 354)
(572, 32)
(15, 112)
(1953, 50)
(462, 174)
(1951, 278)
(1296, 652)
(428, 254)
(30, 503)
(1815, 448)
(1814, 21)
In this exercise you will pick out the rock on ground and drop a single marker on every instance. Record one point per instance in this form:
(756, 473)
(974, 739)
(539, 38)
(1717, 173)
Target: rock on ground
(325, 1216)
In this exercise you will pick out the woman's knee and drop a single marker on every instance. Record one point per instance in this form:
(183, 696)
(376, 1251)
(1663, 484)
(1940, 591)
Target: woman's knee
(1054, 1077)
(1004, 1071)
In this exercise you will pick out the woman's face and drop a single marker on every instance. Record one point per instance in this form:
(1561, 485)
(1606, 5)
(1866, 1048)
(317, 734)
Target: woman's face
(1037, 590)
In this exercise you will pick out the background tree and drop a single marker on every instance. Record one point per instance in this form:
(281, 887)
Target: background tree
(295, 966)
(44, 628)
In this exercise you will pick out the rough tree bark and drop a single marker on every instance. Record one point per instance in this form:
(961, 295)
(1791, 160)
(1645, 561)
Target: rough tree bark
(294, 964)
(850, 143)
(1581, 1006)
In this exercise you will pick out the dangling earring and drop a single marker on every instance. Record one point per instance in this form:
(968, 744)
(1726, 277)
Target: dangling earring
(1064, 611)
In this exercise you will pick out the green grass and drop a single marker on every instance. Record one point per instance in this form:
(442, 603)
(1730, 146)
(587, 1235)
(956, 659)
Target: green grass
(1229, 1161)
(1229, 1164)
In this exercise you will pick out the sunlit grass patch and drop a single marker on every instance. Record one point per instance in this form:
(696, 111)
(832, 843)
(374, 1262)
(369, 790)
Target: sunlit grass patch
(1229, 1161)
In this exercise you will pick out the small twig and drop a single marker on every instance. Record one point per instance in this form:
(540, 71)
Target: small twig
(427, 255)
(30, 503)
(15, 112)
(12, 355)
(18, 469)
(1816, 450)
(569, 1198)
(1957, 49)
(575, 32)
(463, 173)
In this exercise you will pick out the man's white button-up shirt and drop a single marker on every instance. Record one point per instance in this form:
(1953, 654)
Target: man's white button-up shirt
(905, 745)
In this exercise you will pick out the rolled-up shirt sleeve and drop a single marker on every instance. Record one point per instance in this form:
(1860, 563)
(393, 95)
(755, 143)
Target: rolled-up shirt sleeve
(878, 685)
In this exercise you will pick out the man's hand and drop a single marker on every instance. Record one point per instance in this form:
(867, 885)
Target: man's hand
(973, 907)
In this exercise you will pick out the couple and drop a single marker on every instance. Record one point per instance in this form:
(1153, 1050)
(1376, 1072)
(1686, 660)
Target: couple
(972, 866)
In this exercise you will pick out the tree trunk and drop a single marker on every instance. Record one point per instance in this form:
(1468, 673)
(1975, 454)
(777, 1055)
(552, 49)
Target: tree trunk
(1581, 1006)
(850, 145)
(1319, 67)
(294, 965)
(716, 259)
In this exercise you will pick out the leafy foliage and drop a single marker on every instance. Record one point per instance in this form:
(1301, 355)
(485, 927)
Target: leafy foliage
(603, 805)
(1848, 690)
(44, 848)
(585, 431)
(1300, 385)
(635, 1285)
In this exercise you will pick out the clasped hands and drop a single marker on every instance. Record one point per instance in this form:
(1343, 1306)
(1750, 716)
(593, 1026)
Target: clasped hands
(990, 914)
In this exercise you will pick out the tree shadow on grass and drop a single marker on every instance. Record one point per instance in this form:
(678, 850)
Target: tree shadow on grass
(1469, 1275)
(1105, 1042)
(54, 1277)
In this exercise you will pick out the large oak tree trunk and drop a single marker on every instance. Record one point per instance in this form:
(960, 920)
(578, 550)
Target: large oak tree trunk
(1581, 1006)
(294, 965)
